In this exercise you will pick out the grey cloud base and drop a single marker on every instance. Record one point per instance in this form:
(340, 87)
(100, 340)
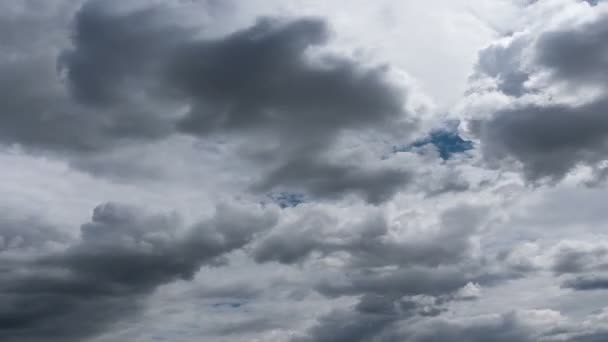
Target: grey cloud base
(548, 136)
(136, 77)
(123, 255)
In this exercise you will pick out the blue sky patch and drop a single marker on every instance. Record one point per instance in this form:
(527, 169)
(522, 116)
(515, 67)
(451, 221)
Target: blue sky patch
(447, 143)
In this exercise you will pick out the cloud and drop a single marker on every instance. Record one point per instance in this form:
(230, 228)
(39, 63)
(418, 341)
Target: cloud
(262, 81)
(113, 52)
(560, 52)
(375, 184)
(347, 326)
(586, 283)
(123, 255)
(546, 139)
(373, 316)
(577, 257)
(506, 327)
(367, 241)
(358, 211)
(260, 77)
(564, 257)
(555, 77)
(27, 232)
(521, 326)
(130, 76)
(40, 112)
(502, 61)
(392, 279)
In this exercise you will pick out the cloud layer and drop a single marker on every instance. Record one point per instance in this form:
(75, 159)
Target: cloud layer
(302, 171)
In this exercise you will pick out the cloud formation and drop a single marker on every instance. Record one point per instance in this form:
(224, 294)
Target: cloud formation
(122, 256)
(137, 76)
(545, 129)
(299, 171)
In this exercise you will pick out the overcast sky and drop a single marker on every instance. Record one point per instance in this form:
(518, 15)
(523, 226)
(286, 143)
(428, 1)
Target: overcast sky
(303, 170)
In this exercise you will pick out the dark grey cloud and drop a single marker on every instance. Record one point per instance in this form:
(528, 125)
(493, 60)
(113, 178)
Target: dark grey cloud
(114, 52)
(116, 77)
(343, 326)
(261, 78)
(333, 180)
(586, 283)
(29, 95)
(596, 336)
(576, 55)
(372, 316)
(551, 138)
(573, 259)
(400, 282)
(261, 82)
(38, 110)
(258, 78)
(122, 256)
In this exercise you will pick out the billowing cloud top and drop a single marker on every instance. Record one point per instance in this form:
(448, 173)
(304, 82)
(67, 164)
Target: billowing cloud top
(303, 171)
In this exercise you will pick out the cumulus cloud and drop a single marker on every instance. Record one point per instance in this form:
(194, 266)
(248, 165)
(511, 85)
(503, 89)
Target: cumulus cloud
(544, 127)
(130, 76)
(393, 278)
(262, 81)
(122, 256)
(368, 241)
(577, 257)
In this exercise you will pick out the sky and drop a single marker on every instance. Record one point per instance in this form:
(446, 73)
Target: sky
(303, 171)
